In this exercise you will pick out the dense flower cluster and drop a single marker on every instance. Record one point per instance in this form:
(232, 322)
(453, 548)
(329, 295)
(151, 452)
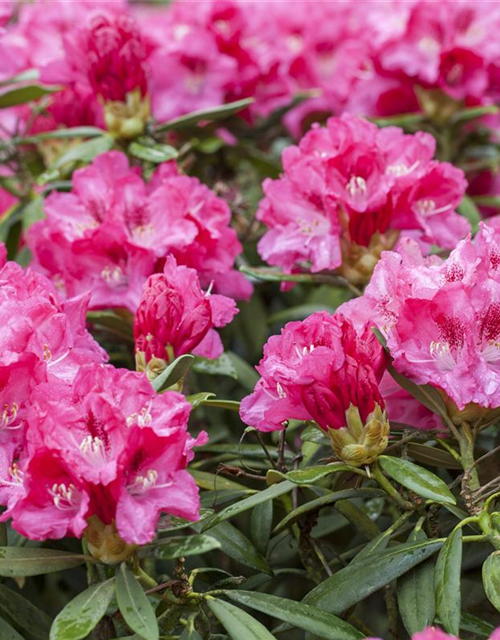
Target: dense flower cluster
(176, 317)
(364, 58)
(80, 438)
(349, 190)
(113, 231)
(441, 319)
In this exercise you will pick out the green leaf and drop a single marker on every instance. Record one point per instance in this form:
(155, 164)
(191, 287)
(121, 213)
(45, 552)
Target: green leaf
(24, 614)
(86, 151)
(222, 366)
(32, 212)
(24, 76)
(469, 210)
(261, 523)
(155, 153)
(415, 592)
(270, 493)
(475, 625)
(27, 93)
(298, 614)
(190, 632)
(270, 274)
(238, 623)
(299, 312)
(471, 113)
(491, 579)
(432, 456)
(417, 479)
(197, 399)
(134, 604)
(212, 482)
(324, 501)
(7, 632)
(112, 322)
(175, 371)
(355, 582)
(82, 614)
(16, 562)
(403, 120)
(181, 546)
(238, 547)
(58, 134)
(247, 376)
(231, 405)
(204, 115)
(447, 577)
(310, 475)
(424, 393)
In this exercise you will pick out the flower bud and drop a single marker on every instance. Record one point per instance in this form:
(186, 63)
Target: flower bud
(104, 542)
(358, 261)
(472, 413)
(127, 120)
(360, 443)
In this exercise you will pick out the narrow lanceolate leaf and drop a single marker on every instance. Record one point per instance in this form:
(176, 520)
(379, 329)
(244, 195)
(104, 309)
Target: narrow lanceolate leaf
(270, 493)
(7, 632)
(134, 605)
(475, 625)
(16, 562)
(239, 624)
(82, 614)
(21, 95)
(86, 151)
(415, 591)
(181, 546)
(24, 614)
(205, 115)
(447, 578)
(324, 501)
(238, 547)
(155, 153)
(417, 479)
(424, 393)
(173, 373)
(261, 524)
(222, 366)
(491, 579)
(298, 614)
(310, 475)
(355, 582)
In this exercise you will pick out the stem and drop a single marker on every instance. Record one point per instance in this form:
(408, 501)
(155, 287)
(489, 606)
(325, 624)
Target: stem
(470, 481)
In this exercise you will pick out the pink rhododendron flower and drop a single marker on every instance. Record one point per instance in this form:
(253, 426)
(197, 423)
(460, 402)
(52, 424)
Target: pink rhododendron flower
(113, 230)
(441, 318)
(106, 446)
(175, 316)
(315, 370)
(351, 188)
(42, 339)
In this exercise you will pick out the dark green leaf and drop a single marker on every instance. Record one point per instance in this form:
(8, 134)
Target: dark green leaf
(24, 614)
(197, 399)
(469, 210)
(86, 151)
(7, 632)
(432, 456)
(355, 582)
(475, 625)
(417, 479)
(298, 614)
(261, 524)
(213, 482)
(238, 547)
(204, 115)
(324, 501)
(491, 579)
(190, 632)
(16, 562)
(24, 76)
(270, 274)
(177, 547)
(310, 475)
(232, 405)
(249, 503)
(27, 93)
(134, 605)
(58, 134)
(298, 313)
(32, 212)
(424, 393)
(222, 366)
(82, 614)
(112, 322)
(245, 374)
(238, 623)
(175, 371)
(415, 591)
(155, 153)
(447, 577)
(471, 113)
(403, 120)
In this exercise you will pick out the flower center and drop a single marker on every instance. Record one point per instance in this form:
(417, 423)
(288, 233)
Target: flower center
(356, 186)
(64, 496)
(114, 277)
(9, 416)
(143, 483)
(94, 450)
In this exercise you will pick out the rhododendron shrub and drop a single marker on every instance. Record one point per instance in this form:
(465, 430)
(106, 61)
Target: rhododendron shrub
(249, 320)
